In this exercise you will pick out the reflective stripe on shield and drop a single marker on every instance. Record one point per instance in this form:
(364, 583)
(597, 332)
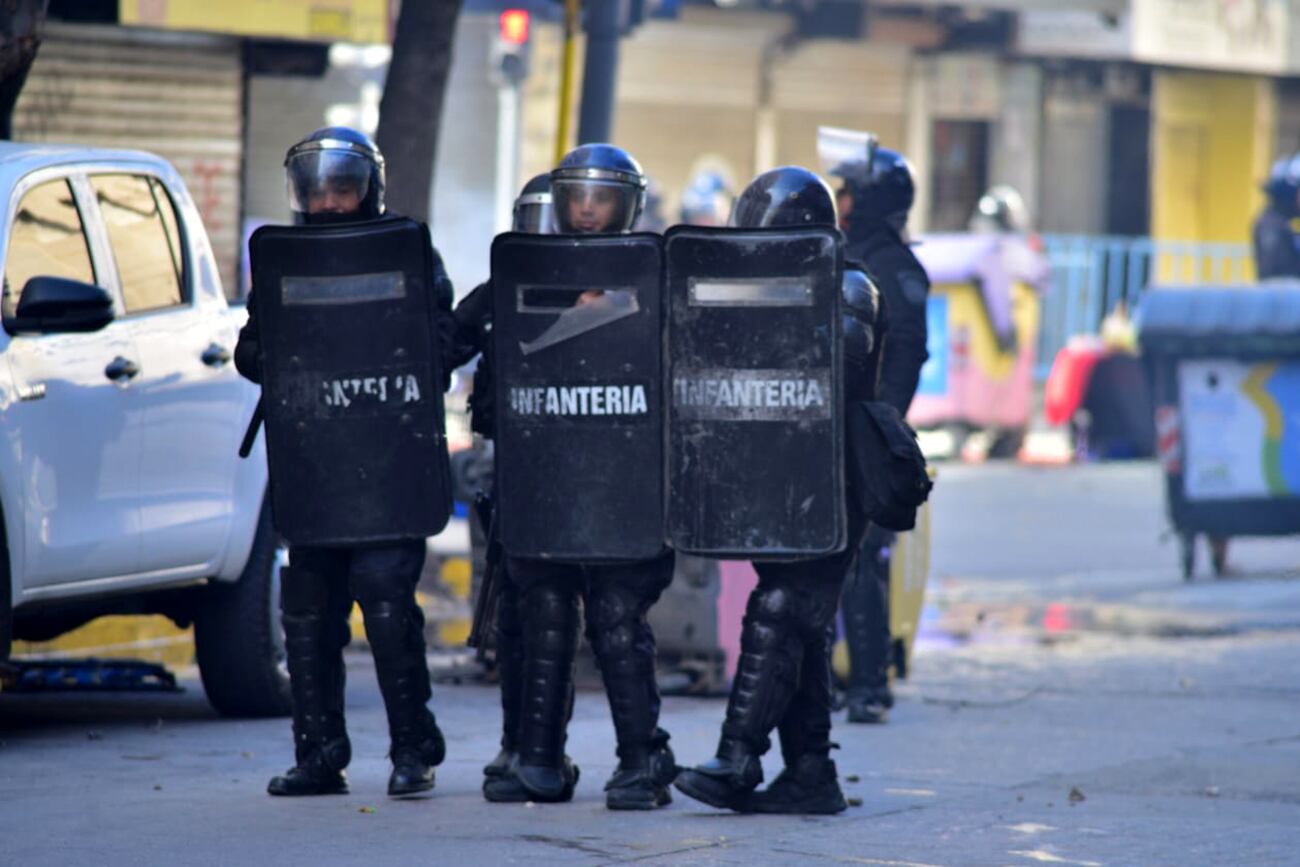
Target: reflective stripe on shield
(755, 437)
(577, 342)
(351, 383)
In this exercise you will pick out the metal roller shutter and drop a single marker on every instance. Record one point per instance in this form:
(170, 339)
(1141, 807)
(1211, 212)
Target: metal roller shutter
(177, 95)
(689, 94)
(860, 85)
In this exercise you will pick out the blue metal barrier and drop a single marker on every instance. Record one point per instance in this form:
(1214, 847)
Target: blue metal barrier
(1092, 274)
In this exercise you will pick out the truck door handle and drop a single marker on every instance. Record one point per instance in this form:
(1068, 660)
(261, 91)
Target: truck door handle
(215, 355)
(121, 369)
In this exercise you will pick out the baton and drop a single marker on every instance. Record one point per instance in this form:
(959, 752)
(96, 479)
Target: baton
(485, 605)
(250, 435)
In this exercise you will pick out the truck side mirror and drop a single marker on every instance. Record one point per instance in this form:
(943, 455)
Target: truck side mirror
(56, 305)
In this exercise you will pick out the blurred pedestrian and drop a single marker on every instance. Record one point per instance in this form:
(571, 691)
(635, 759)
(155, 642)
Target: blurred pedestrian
(706, 200)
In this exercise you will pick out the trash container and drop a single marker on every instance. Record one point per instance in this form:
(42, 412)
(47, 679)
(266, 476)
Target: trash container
(1224, 364)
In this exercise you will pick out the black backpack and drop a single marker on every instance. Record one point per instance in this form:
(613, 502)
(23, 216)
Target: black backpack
(886, 468)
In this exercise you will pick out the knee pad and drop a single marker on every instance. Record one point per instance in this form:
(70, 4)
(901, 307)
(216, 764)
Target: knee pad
(771, 603)
(820, 601)
(387, 572)
(374, 587)
(616, 643)
(608, 606)
(550, 618)
(303, 592)
(508, 619)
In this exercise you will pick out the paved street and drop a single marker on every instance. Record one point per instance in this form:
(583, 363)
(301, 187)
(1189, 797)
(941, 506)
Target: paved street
(1072, 702)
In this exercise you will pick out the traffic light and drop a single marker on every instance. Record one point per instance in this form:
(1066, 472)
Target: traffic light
(510, 49)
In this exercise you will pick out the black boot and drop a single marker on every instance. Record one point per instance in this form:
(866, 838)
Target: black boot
(509, 660)
(766, 676)
(808, 784)
(624, 646)
(642, 778)
(395, 629)
(542, 773)
(315, 635)
(866, 624)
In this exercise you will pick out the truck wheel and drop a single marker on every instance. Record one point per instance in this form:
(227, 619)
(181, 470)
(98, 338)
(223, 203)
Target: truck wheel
(238, 637)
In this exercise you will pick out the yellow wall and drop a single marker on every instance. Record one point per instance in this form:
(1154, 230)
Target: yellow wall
(688, 97)
(1212, 141)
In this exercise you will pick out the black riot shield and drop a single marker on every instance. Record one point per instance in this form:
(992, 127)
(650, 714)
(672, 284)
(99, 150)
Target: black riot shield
(351, 382)
(755, 438)
(577, 331)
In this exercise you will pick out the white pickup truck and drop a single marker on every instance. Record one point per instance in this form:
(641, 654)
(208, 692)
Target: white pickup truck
(121, 416)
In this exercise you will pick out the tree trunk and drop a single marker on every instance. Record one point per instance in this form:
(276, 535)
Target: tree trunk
(411, 109)
(22, 25)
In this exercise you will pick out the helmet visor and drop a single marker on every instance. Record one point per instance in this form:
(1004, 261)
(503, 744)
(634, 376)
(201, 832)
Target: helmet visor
(846, 153)
(327, 181)
(591, 205)
(534, 214)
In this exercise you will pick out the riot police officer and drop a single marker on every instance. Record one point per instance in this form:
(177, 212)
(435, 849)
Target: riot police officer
(783, 678)
(1276, 247)
(336, 183)
(596, 189)
(533, 213)
(875, 198)
(1002, 210)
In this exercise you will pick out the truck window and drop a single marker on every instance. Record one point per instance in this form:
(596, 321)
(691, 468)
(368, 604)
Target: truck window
(47, 239)
(143, 230)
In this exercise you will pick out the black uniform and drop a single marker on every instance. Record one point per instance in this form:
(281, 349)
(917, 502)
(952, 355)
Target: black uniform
(783, 678)
(905, 287)
(537, 640)
(317, 591)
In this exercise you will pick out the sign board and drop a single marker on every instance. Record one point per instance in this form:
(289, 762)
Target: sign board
(313, 20)
(1240, 427)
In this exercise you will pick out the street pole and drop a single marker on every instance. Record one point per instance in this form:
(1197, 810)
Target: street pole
(600, 71)
(572, 12)
(507, 155)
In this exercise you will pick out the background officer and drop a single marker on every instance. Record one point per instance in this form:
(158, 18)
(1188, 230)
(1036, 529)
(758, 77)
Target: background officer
(1277, 253)
(874, 203)
(596, 189)
(336, 175)
(783, 678)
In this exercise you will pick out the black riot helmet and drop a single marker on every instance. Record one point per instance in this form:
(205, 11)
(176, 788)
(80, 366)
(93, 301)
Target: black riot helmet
(886, 192)
(336, 174)
(1001, 209)
(597, 188)
(878, 179)
(533, 210)
(1283, 185)
(788, 196)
